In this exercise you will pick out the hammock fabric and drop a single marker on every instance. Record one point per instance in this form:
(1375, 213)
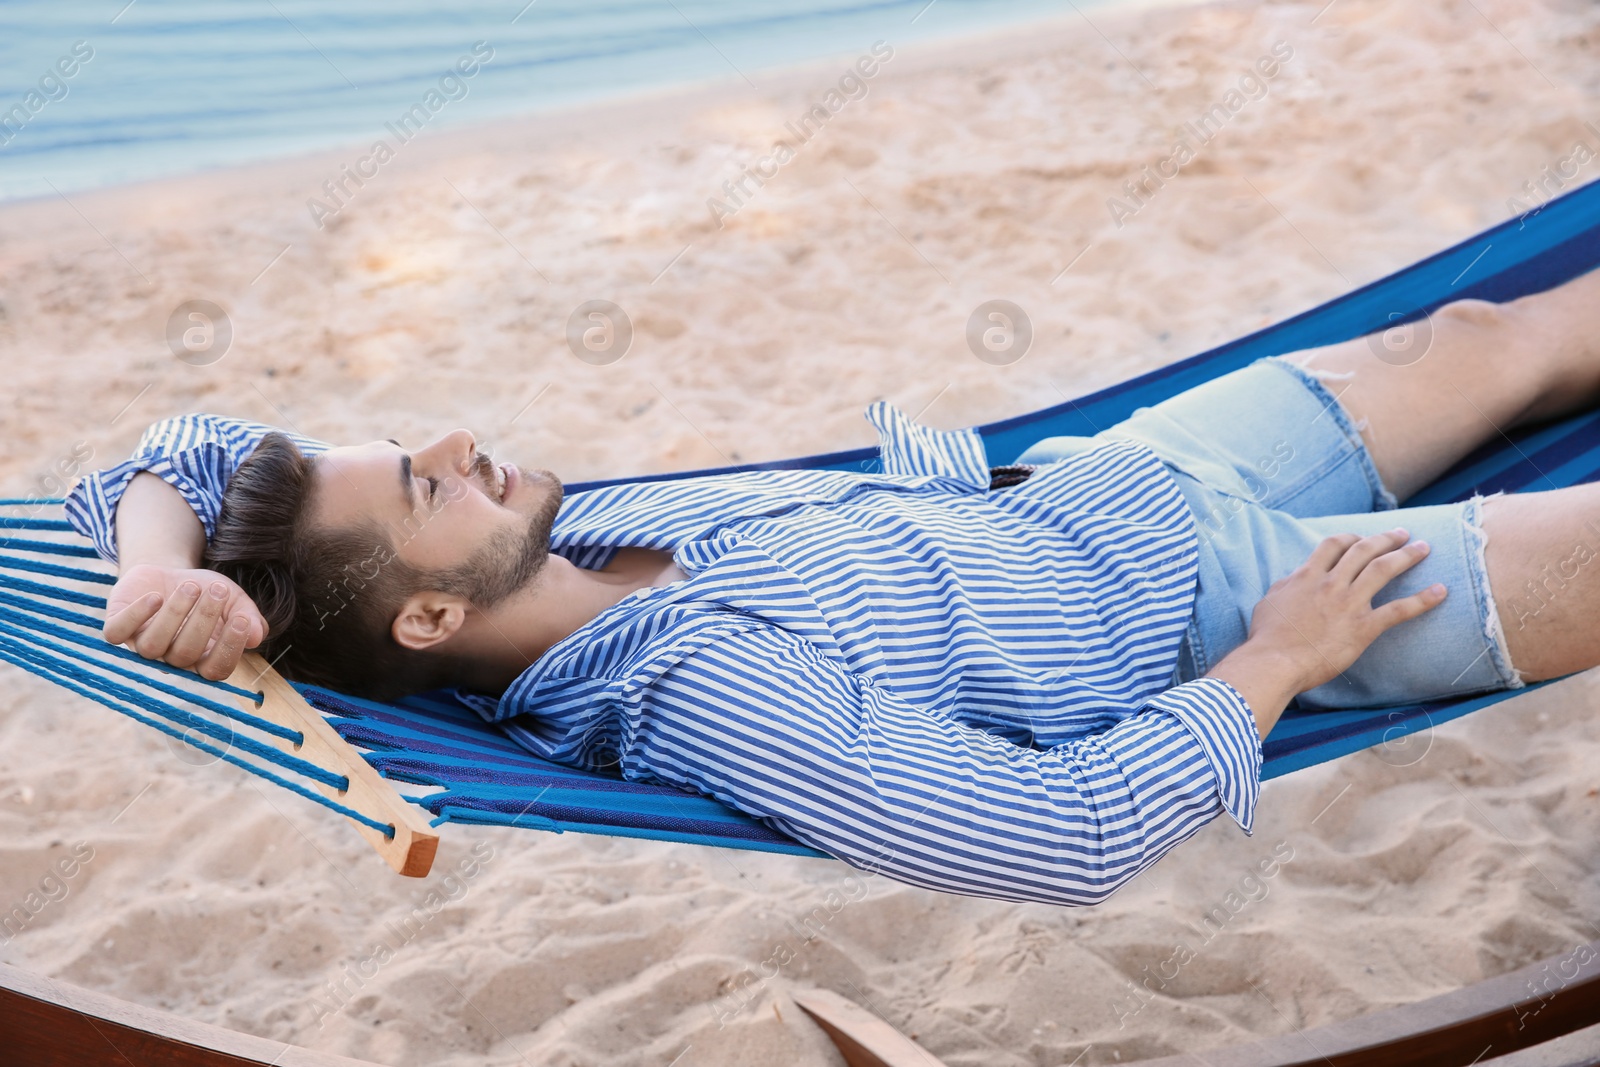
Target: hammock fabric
(469, 771)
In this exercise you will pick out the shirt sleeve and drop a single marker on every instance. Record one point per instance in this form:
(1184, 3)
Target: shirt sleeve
(766, 723)
(195, 454)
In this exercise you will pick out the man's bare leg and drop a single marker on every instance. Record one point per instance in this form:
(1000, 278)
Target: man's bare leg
(1490, 367)
(1543, 558)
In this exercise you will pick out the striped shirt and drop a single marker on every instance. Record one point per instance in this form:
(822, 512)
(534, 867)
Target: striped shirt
(963, 689)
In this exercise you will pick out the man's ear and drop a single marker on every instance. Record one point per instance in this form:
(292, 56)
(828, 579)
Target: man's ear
(428, 619)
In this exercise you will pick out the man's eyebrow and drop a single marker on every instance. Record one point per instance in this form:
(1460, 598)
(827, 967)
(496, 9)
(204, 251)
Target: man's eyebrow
(406, 485)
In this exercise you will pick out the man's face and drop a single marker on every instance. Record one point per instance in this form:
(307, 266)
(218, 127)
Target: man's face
(443, 509)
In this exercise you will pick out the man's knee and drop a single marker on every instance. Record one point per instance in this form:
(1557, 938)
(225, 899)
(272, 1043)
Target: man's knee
(1521, 349)
(1475, 314)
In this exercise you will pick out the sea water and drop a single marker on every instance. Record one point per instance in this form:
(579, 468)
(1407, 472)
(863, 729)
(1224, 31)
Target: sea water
(98, 92)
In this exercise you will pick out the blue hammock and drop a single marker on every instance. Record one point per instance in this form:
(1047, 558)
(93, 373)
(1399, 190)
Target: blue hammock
(466, 770)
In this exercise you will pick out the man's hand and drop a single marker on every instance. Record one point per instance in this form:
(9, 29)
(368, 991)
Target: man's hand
(175, 615)
(1320, 617)
(163, 601)
(1315, 622)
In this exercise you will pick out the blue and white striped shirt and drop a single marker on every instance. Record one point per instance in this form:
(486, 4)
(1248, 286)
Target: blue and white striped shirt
(965, 689)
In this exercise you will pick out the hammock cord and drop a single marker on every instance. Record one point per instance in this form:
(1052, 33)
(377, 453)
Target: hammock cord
(50, 673)
(29, 633)
(99, 645)
(77, 574)
(13, 523)
(187, 719)
(55, 548)
(71, 596)
(30, 641)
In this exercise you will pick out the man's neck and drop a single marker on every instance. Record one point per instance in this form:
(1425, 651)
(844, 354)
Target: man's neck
(505, 642)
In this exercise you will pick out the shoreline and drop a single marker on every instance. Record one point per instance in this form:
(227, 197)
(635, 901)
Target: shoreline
(642, 108)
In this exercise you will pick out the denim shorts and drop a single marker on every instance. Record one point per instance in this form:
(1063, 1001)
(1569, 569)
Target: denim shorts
(1271, 463)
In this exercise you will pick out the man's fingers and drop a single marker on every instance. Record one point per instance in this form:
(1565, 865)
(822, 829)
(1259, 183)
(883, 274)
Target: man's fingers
(1385, 568)
(155, 639)
(1398, 611)
(190, 642)
(126, 622)
(220, 662)
(255, 624)
(1367, 549)
(254, 631)
(1330, 550)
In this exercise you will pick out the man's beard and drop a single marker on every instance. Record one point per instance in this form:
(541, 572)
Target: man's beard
(510, 560)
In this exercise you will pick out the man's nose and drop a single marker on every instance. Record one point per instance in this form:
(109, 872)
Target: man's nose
(455, 450)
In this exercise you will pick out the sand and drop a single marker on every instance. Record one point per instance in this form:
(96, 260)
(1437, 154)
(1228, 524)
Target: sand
(438, 297)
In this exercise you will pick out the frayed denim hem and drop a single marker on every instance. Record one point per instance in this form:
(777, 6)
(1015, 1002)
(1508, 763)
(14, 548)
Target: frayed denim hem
(1382, 498)
(1493, 628)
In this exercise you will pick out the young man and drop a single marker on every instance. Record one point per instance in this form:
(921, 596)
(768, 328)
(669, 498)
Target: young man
(1030, 692)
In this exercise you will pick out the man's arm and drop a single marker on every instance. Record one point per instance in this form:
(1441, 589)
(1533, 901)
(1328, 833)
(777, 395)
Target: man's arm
(164, 603)
(765, 722)
(156, 525)
(159, 506)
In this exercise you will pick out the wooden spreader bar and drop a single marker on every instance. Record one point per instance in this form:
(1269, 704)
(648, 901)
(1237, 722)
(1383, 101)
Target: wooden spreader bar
(411, 850)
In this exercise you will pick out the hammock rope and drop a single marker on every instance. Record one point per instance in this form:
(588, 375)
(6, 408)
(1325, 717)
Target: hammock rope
(175, 714)
(41, 647)
(14, 523)
(294, 737)
(28, 545)
(70, 596)
(478, 775)
(97, 644)
(50, 673)
(37, 567)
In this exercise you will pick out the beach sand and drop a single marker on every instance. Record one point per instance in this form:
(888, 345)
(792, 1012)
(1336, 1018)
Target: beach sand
(438, 297)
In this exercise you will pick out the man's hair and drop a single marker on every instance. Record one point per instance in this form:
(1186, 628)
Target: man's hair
(329, 595)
